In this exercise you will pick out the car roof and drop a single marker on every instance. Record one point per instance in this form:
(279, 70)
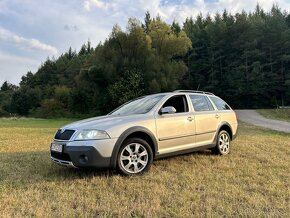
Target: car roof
(193, 91)
(181, 92)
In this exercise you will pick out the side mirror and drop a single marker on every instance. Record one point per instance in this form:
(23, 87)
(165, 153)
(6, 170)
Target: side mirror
(168, 110)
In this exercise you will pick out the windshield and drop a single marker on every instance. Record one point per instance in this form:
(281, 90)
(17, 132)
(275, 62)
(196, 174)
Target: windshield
(138, 106)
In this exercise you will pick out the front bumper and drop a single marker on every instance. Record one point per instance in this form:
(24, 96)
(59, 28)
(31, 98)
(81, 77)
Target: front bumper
(85, 154)
(61, 162)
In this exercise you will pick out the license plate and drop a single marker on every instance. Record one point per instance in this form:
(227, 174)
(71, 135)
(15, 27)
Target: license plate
(56, 147)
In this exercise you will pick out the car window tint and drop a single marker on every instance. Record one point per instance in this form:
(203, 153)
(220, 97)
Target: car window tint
(211, 108)
(199, 103)
(140, 105)
(219, 103)
(178, 102)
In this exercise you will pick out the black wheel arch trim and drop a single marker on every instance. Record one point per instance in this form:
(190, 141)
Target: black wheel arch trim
(186, 151)
(222, 124)
(123, 137)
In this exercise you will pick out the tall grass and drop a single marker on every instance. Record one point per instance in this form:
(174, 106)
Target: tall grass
(252, 181)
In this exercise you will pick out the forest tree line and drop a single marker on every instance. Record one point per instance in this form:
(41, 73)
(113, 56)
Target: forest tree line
(243, 58)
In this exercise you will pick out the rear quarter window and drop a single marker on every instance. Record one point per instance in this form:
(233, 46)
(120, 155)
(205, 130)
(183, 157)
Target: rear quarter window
(219, 103)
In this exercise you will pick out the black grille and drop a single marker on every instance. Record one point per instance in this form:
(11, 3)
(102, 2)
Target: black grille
(60, 156)
(65, 135)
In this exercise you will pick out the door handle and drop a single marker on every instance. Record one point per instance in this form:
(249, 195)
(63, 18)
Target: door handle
(217, 116)
(189, 119)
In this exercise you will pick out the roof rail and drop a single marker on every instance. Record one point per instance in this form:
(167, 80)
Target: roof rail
(194, 91)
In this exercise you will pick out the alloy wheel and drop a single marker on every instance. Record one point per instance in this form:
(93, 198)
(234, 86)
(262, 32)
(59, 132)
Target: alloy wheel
(224, 143)
(134, 158)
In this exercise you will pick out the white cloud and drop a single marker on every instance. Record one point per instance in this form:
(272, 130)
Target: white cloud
(177, 10)
(88, 4)
(14, 66)
(180, 12)
(34, 44)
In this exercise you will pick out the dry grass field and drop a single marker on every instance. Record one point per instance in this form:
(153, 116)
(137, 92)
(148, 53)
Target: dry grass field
(253, 181)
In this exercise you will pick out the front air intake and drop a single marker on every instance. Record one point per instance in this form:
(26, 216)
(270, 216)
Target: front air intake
(64, 134)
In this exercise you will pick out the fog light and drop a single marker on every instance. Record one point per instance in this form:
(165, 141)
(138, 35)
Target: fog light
(84, 159)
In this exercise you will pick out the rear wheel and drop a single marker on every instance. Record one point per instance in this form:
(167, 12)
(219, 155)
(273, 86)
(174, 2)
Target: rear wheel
(135, 157)
(223, 145)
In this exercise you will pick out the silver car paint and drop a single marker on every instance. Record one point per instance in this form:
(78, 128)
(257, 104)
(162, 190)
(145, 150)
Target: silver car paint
(116, 125)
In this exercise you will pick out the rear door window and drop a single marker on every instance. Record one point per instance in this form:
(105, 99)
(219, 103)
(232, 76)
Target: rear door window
(201, 103)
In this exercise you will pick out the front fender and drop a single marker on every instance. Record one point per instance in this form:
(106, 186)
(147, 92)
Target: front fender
(125, 135)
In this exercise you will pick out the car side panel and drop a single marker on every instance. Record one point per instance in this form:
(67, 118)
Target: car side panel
(177, 144)
(230, 117)
(206, 124)
(175, 131)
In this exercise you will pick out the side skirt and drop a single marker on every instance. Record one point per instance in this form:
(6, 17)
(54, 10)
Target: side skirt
(175, 153)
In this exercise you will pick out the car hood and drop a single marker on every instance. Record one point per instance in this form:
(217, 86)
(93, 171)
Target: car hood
(102, 122)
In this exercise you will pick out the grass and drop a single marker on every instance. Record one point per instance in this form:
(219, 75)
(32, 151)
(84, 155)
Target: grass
(276, 114)
(33, 122)
(253, 181)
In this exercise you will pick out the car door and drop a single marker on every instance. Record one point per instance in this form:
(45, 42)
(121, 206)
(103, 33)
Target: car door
(206, 119)
(175, 131)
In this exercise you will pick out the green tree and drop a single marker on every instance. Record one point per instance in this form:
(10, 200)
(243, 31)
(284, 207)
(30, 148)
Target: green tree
(244, 58)
(6, 86)
(127, 88)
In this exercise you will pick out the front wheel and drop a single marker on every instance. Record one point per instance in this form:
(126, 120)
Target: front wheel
(135, 157)
(223, 145)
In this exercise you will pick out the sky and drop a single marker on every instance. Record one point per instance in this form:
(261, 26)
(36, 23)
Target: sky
(33, 30)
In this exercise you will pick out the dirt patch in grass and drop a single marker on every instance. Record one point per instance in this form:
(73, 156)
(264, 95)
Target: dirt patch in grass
(252, 181)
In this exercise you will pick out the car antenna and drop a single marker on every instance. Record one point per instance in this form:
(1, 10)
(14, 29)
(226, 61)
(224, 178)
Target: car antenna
(198, 87)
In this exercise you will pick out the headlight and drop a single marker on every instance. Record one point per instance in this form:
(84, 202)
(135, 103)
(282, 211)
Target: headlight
(91, 134)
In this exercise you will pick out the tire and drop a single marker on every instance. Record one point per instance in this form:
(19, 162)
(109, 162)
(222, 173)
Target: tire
(223, 144)
(135, 157)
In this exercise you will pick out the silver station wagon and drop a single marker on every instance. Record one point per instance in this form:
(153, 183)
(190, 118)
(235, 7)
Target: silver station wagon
(147, 128)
